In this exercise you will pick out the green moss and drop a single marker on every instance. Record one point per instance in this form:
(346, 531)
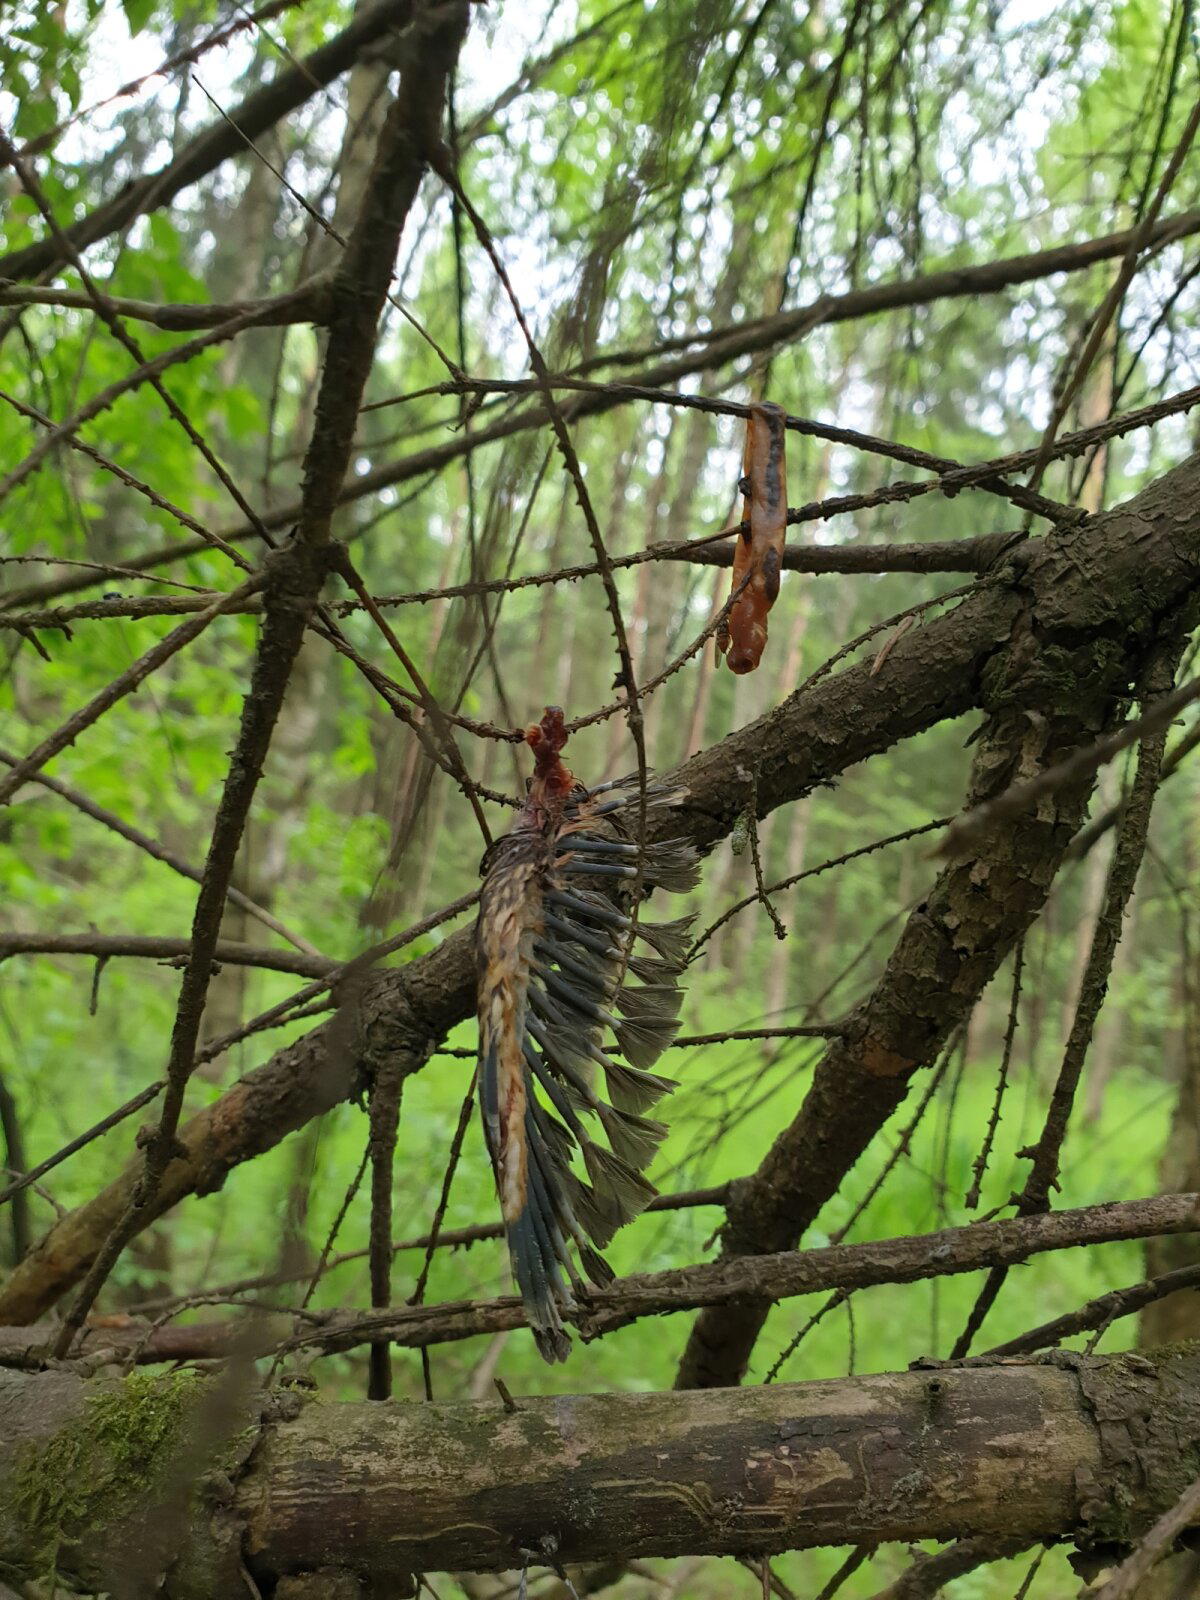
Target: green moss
(95, 1470)
(1058, 678)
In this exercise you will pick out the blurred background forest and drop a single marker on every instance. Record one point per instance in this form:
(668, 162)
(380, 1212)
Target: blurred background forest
(648, 170)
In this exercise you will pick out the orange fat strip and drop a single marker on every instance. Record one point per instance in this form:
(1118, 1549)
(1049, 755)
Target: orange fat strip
(759, 549)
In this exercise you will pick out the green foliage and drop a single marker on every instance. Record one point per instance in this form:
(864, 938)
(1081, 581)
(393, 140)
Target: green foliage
(664, 170)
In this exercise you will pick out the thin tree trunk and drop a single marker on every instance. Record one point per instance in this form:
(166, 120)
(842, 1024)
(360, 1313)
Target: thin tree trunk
(16, 1163)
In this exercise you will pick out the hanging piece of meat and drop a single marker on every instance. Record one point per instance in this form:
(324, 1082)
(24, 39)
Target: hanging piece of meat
(758, 554)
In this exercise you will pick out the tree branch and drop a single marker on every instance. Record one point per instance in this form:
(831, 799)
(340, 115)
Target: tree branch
(104, 946)
(775, 1278)
(930, 1574)
(296, 572)
(221, 140)
(1106, 586)
(306, 304)
(124, 683)
(160, 852)
(949, 283)
(1099, 1313)
(784, 1276)
(979, 907)
(976, 554)
(435, 457)
(1032, 1451)
(1129, 1578)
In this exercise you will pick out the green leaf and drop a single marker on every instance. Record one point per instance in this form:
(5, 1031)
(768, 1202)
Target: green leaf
(137, 14)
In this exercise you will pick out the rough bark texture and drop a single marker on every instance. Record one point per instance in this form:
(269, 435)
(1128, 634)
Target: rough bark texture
(1087, 1449)
(1099, 593)
(732, 1279)
(1061, 677)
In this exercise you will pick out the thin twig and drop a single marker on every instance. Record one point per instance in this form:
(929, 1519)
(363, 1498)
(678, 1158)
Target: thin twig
(1130, 1575)
(979, 1167)
(464, 1116)
(297, 574)
(1122, 874)
(147, 947)
(32, 187)
(120, 686)
(447, 1239)
(1139, 238)
(142, 1098)
(160, 852)
(348, 971)
(1101, 1312)
(812, 872)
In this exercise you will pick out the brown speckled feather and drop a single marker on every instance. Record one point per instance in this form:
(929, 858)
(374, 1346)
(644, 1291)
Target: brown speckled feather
(551, 951)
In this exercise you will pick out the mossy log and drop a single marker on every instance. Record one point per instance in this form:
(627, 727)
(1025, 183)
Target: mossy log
(175, 1482)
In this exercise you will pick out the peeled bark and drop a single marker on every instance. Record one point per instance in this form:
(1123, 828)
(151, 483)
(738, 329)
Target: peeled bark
(1087, 1449)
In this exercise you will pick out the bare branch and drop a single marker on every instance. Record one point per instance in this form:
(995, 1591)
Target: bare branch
(770, 1279)
(120, 686)
(308, 303)
(151, 948)
(1098, 1313)
(963, 929)
(976, 554)
(259, 111)
(135, 1103)
(1093, 579)
(1122, 875)
(435, 457)
(296, 572)
(1128, 1579)
(928, 1575)
(160, 852)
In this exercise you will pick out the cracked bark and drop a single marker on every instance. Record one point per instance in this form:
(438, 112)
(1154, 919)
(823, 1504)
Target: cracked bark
(1086, 1449)
(1069, 617)
(1054, 686)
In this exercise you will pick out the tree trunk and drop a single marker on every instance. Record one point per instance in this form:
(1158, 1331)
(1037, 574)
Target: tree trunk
(1088, 1449)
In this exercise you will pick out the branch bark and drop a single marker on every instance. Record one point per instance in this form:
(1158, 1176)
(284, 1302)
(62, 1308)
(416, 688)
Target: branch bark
(309, 304)
(1050, 690)
(219, 142)
(1100, 592)
(1087, 1449)
(972, 1248)
(146, 946)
